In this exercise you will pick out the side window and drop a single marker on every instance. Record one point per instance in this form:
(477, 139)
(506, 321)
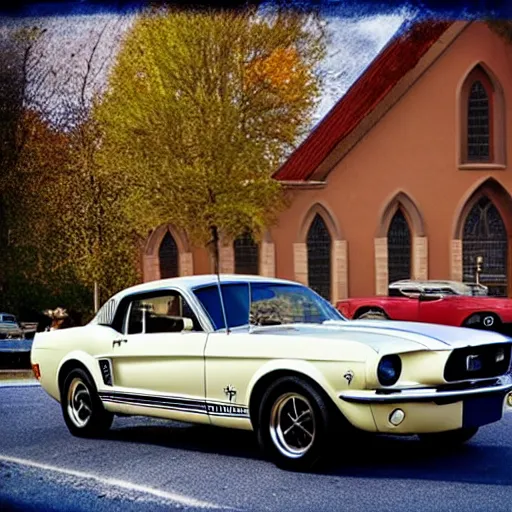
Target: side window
(105, 315)
(411, 292)
(160, 314)
(135, 318)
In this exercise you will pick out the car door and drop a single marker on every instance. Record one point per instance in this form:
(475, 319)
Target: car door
(433, 309)
(158, 359)
(405, 306)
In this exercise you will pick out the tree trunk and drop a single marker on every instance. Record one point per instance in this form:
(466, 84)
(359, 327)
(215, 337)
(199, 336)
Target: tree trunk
(215, 248)
(96, 297)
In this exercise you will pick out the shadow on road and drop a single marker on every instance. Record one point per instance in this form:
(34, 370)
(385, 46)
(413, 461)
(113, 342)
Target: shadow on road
(197, 438)
(369, 456)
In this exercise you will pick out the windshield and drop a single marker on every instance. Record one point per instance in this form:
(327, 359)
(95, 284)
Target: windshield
(271, 304)
(9, 319)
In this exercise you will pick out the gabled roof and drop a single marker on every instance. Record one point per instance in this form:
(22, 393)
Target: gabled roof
(400, 56)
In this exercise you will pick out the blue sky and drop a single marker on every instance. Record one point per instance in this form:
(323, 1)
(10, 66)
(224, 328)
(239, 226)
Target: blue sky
(353, 42)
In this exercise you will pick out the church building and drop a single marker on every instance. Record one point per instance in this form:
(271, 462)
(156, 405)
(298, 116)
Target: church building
(406, 177)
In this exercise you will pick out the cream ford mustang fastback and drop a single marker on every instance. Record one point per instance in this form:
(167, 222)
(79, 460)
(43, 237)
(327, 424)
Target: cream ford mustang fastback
(272, 356)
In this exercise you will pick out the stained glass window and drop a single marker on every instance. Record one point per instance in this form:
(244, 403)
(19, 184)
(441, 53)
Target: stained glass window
(478, 124)
(399, 248)
(246, 255)
(319, 257)
(485, 235)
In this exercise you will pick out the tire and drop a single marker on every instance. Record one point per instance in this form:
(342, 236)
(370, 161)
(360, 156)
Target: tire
(89, 419)
(375, 314)
(293, 449)
(483, 322)
(450, 438)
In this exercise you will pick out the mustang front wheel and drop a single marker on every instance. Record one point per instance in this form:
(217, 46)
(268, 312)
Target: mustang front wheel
(294, 424)
(83, 411)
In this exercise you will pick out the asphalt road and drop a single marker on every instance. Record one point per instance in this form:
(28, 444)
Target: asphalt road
(147, 464)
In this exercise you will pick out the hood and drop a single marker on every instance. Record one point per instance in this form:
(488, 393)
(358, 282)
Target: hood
(387, 335)
(431, 336)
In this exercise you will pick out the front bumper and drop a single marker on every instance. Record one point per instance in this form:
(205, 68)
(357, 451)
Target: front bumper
(437, 395)
(430, 410)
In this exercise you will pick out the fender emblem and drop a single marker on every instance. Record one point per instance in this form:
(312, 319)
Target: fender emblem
(230, 392)
(349, 376)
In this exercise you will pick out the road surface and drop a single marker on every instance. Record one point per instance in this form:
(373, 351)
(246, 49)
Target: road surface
(147, 464)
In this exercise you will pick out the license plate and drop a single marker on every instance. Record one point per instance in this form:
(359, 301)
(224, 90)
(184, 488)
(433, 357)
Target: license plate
(482, 410)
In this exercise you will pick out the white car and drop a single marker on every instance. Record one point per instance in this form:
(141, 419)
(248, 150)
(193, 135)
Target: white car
(288, 366)
(10, 328)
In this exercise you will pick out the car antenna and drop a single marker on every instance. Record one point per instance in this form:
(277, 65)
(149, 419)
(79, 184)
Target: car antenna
(222, 301)
(249, 311)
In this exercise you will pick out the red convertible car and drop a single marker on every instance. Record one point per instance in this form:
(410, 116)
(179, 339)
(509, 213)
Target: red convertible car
(436, 302)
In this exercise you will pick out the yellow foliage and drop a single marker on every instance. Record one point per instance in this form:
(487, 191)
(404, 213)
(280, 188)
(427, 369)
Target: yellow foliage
(200, 108)
(283, 71)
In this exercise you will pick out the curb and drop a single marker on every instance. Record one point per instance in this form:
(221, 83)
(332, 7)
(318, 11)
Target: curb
(19, 384)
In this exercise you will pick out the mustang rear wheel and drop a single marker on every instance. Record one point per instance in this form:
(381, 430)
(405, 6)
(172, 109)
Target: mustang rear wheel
(295, 424)
(83, 411)
(449, 438)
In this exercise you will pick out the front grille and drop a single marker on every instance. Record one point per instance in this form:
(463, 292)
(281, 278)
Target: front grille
(483, 362)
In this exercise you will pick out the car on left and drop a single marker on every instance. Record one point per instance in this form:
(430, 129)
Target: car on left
(10, 328)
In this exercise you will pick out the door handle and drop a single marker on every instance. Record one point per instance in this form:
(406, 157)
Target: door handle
(118, 342)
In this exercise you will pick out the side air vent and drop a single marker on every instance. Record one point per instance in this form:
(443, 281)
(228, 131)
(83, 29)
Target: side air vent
(106, 371)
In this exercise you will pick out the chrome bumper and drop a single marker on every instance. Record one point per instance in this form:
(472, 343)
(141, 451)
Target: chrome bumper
(503, 385)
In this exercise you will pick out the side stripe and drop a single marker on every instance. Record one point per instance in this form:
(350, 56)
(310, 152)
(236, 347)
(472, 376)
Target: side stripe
(191, 405)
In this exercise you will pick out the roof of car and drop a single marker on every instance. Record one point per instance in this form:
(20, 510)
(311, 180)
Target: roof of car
(458, 286)
(413, 282)
(190, 282)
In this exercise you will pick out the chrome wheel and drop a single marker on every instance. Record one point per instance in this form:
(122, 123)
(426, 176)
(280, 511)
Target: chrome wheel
(79, 403)
(292, 425)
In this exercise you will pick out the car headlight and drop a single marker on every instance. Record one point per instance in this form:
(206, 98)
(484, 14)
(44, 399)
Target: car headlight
(389, 370)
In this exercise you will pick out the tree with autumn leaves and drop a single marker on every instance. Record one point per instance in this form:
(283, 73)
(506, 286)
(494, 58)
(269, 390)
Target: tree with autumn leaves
(63, 232)
(200, 110)
(68, 233)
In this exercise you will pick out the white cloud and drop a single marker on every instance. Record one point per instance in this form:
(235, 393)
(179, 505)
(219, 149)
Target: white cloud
(353, 44)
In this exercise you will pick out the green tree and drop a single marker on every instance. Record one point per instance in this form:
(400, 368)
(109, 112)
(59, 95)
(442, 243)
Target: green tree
(200, 109)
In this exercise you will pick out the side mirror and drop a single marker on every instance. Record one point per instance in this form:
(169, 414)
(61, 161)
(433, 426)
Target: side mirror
(188, 325)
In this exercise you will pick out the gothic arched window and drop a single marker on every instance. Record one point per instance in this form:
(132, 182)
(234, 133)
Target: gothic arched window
(169, 257)
(319, 257)
(479, 123)
(485, 235)
(246, 255)
(399, 248)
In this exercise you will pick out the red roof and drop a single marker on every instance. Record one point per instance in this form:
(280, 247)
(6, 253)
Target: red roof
(399, 57)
